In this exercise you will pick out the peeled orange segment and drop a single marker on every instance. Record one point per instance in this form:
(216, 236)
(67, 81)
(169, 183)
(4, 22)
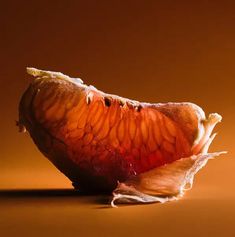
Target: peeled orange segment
(142, 152)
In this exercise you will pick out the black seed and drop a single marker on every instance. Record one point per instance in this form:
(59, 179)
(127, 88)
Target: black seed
(138, 108)
(107, 101)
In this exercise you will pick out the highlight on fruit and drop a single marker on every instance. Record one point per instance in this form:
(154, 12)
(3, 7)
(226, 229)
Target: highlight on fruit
(139, 152)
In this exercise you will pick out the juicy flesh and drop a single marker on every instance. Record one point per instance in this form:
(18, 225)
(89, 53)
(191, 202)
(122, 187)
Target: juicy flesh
(105, 136)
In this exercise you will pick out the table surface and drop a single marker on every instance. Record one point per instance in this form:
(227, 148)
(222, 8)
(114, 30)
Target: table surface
(64, 212)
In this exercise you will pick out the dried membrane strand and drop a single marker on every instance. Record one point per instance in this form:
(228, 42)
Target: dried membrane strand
(162, 184)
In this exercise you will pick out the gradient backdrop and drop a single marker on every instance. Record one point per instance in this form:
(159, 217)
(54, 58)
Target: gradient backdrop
(154, 51)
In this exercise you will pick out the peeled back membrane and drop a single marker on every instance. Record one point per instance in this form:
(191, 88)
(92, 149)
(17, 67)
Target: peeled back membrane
(142, 152)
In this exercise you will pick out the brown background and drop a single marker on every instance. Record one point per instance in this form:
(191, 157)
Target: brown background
(155, 51)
